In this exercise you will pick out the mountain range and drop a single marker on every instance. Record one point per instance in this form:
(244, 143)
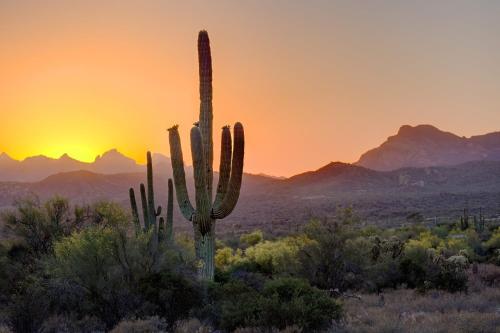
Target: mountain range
(420, 169)
(426, 145)
(37, 168)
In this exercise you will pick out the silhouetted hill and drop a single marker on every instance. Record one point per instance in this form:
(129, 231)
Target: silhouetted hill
(426, 145)
(332, 172)
(36, 168)
(269, 203)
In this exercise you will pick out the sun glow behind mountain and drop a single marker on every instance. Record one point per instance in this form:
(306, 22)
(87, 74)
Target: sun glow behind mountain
(311, 82)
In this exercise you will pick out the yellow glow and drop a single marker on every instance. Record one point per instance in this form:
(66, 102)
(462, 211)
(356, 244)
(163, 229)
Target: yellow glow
(310, 83)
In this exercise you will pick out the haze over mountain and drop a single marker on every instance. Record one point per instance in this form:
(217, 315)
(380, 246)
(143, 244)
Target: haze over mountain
(426, 145)
(36, 168)
(418, 146)
(430, 177)
(383, 197)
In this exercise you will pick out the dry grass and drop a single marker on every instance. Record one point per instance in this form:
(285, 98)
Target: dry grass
(408, 311)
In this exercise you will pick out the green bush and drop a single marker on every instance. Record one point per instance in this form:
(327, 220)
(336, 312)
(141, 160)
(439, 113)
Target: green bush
(280, 303)
(252, 238)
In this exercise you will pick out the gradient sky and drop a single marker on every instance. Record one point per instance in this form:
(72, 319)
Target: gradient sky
(312, 81)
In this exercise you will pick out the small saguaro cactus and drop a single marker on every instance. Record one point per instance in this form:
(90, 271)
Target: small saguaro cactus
(149, 211)
(464, 220)
(230, 171)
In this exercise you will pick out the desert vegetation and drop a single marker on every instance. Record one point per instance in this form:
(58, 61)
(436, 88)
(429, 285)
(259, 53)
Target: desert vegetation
(72, 268)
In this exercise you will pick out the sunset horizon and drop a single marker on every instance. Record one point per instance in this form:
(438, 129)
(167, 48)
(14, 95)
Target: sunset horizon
(330, 86)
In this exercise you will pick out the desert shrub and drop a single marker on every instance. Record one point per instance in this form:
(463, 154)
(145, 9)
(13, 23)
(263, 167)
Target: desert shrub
(380, 267)
(150, 324)
(324, 260)
(109, 275)
(406, 311)
(426, 269)
(226, 257)
(280, 303)
(289, 301)
(489, 275)
(65, 324)
(192, 325)
(29, 305)
(440, 231)
(493, 243)
(37, 225)
(86, 263)
(274, 257)
(170, 296)
(268, 257)
(252, 238)
(108, 214)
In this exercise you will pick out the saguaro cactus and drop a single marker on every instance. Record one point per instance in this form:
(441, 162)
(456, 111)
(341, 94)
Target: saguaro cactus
(169, 217)
(230, 172)
(149, 211)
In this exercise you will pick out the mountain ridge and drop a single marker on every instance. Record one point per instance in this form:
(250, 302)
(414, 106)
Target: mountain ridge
(412, 146)
(37, 168)
(426, 145)
(378, 196)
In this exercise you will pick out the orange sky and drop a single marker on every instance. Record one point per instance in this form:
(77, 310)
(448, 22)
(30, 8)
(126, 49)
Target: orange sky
(311, 81)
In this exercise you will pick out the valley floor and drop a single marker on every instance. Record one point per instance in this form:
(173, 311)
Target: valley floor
(433, 312)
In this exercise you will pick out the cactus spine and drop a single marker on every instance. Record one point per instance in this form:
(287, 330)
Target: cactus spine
(230, 172)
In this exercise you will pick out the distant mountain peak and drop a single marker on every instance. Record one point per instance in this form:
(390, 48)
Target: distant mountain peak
(5, 157)
(38, 167)
(418, 129)
(66, 157)
(112, 153)
(39, 158)
(423, 132)
(427, 145)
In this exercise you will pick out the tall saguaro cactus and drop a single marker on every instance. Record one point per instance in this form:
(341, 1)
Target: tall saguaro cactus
(230, 172)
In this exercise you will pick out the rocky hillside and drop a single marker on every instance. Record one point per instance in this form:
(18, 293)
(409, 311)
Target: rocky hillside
(425, 145)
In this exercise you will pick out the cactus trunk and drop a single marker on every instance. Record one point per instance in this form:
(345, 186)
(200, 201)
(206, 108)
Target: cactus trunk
(135, 213)
(169, 221)
(206, 256)
(144, 201)
(230, 172)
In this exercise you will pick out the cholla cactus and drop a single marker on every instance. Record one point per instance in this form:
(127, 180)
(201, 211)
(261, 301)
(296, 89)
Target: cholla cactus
(230, 172)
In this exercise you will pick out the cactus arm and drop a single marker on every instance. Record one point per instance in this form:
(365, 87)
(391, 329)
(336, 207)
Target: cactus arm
(203, 203)
(158, 211)
(206, 114)
(161, 224)
(233, 192)
(177, 160)
(144, 202)
(135, 213)
(151, 194)
(169, 222)
(225, 165)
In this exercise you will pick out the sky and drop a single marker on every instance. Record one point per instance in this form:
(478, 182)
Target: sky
(311, 81)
